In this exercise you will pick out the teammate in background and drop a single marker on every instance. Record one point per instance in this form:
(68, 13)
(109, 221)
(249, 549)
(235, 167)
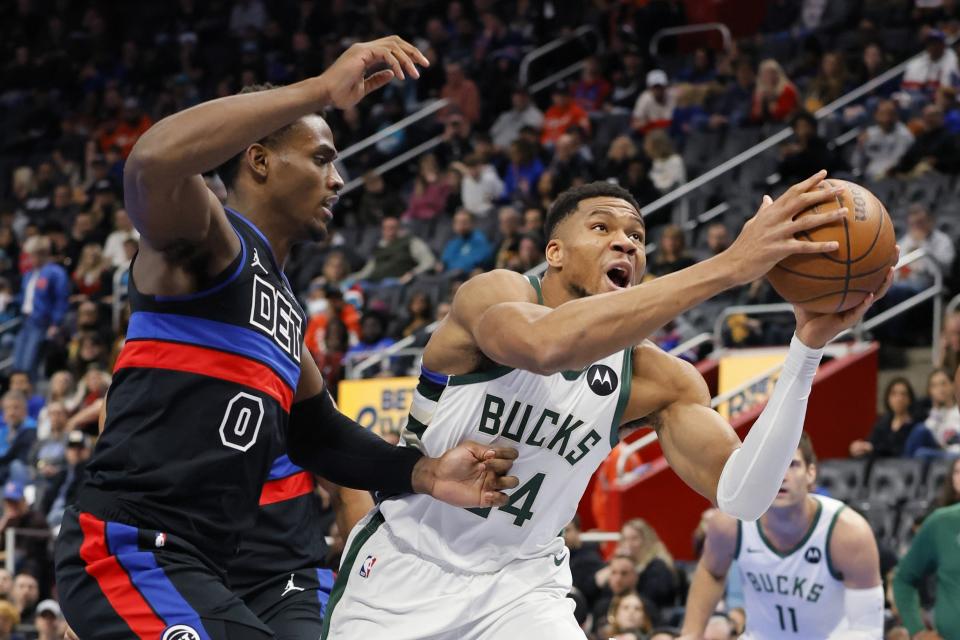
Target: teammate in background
(810, 566)
(934, 551)
(279, 570)
(210, 388)
(554, 368)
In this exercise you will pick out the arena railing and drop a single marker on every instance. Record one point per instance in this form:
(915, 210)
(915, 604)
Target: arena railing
(10, 325)
(858, 332)
(10, 544)
(578, 34)
(690, 29)
(953, 305)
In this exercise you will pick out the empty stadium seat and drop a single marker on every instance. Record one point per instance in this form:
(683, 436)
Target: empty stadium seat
(935, 477)
(894, 480)
(843, 479)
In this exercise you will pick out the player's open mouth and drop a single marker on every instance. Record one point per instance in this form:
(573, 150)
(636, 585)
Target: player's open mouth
(619, 276)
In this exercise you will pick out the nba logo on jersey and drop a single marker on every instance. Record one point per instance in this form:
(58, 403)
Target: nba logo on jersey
(160, 540)
(367, 567)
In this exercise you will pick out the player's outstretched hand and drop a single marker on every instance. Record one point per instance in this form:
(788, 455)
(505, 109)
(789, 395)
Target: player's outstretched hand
(769, 236)
(469, 475)
(346, 81)
(817, 329)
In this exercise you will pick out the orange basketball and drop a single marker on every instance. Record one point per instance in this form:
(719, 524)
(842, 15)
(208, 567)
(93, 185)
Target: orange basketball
(837, 281)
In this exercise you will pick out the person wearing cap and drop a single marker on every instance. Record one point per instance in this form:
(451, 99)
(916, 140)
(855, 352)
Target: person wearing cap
(937, 66)
(49, 621)
(44, 303)
(522, 113)
(62, 487)
(563, 114)
(654, 107)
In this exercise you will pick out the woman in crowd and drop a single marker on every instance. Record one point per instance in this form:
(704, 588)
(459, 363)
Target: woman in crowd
(672, 253)
(92, 277)
(939, 434)
(831, 82)
(668, 170)
(430, 191)
(628, 619)
(888, 438)
(775, 97)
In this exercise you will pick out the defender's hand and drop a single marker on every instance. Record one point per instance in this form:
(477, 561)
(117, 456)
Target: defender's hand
(346, 82)
(469, 475)
(769, 236)
(817, 329)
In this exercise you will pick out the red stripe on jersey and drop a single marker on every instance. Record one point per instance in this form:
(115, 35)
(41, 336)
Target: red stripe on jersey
(114, 581)
(173, 356)
(286, 488)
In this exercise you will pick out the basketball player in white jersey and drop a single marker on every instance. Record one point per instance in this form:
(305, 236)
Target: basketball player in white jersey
(810, 566)
(553, 368)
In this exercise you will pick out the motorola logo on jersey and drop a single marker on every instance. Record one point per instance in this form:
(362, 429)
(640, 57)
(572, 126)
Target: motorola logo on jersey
(812, 555)
(272, 312)
(602, 379)
(180, 632)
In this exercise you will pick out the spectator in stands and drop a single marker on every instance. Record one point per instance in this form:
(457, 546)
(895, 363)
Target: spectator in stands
(124, 132)
(654, 107)
(775, 97)
(807, 153)
(26, 589)
(6, 585)
(336, 269)
(948, 357)
(628, 80)
(456, 142)
(530, 254)
(468, 248)
(937, 66)
(562, 114)
(627, 619)
(397, 259)
(376, 201)
(939, 433)
(657, 578)
(830, 83)
(891, 430)
(933, 148)
(322, 314)
(883, 144)
(508, 241)
(430, 191)
(45, 299)
(592, 89)
(93, 276)
(20, 381)
(732, 106)
(336, 341)
(688, 114)
(950, 491)
(20, 434)
(523, 113)
(922, 233)
(480, 186)
(419, 314)
(569, 167)
(49, 454)
(113, 249)
(621, 151)
(668, 170)
(462, 93)
(618, 578)
(61, 388)
(49, 621)
(373, 338)
(671, 253)
(523, 172)
(9, 620)
(30, 552)
(247, 15)
(637, 181)
(701, 70)
(63, 486)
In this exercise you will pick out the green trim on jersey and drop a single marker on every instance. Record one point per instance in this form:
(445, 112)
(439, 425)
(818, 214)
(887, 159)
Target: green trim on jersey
(838, 575)
(485, 375)
(803, 541)
(346, 568)
(535, 281)
(736, 551)
(416, 427)
(626, 377)
(430, 390)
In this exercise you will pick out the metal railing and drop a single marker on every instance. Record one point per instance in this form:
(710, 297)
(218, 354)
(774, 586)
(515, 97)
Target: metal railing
(689, 30)
(10, 325)
(953, 305)
(553, 45)
(10, 544)
(399, 125)
(933, 291)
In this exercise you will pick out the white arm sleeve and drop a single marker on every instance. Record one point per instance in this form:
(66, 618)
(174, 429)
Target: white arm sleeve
(753, 473)
(864, 614)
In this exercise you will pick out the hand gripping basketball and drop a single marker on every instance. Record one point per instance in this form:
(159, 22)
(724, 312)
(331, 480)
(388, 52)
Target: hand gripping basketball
(346, 81)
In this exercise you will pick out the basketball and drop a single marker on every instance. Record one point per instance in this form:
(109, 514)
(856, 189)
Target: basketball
(840, 280)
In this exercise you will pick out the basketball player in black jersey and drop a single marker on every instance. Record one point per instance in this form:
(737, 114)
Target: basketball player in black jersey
(210, 387)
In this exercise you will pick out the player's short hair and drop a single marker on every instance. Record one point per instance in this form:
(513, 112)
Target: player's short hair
(567, 202)
(229, 170)
(806, 449)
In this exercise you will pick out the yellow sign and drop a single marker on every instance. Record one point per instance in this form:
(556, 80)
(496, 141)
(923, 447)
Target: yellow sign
(380, 404)
(738, 368)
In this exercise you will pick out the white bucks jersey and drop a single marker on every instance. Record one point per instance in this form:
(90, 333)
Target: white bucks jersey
(792, 594)
(563, 426)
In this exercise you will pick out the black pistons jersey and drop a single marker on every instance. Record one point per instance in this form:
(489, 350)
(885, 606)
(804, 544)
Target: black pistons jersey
(199, 404)
(288, 534)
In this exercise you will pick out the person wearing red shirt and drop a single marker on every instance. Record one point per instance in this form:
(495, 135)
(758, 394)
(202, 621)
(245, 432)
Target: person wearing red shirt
(592, 90)
(564, 113)
(775, 97)
(125, 132)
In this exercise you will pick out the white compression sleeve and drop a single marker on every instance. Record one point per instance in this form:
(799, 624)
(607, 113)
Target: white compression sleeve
(753, 473)
(864, 614)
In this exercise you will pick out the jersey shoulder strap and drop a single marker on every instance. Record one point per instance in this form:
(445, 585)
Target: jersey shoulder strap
(535, 282)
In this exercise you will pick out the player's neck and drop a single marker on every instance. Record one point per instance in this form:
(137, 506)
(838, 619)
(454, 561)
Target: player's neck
(785, 526)
(555, 292)
(260, 214)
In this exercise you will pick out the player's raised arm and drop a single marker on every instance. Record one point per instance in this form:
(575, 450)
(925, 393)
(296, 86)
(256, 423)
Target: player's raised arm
(164, 192)
(709, 578)
(607, 232)
(329, 444)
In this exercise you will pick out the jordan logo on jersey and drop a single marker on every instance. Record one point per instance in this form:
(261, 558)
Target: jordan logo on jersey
(290, 587)
(271, 311)
(602, 379)
(256, 262)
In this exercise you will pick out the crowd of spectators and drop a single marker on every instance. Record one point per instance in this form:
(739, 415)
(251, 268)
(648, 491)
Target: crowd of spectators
(81, 81)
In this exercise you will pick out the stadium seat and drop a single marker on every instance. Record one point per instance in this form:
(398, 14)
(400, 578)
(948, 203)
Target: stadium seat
(894, 480)
(842, 479)
(883, 521)
(936, 475)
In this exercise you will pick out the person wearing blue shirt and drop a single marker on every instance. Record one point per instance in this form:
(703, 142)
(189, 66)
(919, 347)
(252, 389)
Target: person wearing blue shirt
(20, 431)
(44, 302)
(468, 248)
